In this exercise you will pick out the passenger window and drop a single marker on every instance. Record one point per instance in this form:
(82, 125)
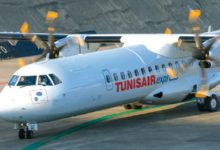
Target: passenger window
(143, 71)
(170, 65)
(44, 80)
(55, 79)
(177, 64)
(129, 74)
(122, 75)
(150, 69)
(136, 72)
(108, 78)
(164, 67)
(115, 76)
(157, 68)
(27, 81)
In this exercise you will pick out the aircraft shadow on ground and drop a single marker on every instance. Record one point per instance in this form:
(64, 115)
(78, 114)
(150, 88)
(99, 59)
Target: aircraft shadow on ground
(180, 111)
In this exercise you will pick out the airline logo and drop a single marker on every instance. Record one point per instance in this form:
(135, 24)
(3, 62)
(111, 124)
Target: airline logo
(142, 82)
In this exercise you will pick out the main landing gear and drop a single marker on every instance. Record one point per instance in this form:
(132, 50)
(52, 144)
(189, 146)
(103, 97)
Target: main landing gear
(135, 105)
(25, 131)
(208, 104)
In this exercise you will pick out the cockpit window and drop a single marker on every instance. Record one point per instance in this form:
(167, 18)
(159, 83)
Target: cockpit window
(13, 80)
(55, 79)
(44, 80)
(27, 81)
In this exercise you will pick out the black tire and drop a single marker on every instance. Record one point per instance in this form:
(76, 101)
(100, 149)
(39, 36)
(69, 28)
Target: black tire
(21, 134)
(200, 103)
(137, 106)
(29, 134)
(212, 103)
(201, 107)
(128, 106)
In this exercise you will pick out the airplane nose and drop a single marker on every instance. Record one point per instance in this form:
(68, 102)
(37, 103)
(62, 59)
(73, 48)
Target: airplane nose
(6, 108)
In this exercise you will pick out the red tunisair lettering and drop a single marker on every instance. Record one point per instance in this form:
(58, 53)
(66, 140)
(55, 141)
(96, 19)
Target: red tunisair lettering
(135, 83)
(138, 82)
(124, 86)
(153, 80)
(129, 84)
(144, 82)
(118, 86)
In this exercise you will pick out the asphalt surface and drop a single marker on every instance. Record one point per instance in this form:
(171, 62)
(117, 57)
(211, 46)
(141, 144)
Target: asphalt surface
(110, 16)
(173, 127)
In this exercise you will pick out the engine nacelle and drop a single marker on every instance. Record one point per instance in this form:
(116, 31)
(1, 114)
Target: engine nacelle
(71, 47)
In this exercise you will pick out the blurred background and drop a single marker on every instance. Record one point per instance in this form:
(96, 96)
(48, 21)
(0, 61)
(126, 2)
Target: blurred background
(109, 16)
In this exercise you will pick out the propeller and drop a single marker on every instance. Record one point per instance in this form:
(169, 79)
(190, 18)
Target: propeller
(168, 31)
(79, 42)
(200, 52)
(48, 47)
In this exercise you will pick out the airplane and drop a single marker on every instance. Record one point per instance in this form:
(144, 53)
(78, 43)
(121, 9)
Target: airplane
(149, 69)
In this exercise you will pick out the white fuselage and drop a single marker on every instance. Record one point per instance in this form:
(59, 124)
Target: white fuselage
(96, 81)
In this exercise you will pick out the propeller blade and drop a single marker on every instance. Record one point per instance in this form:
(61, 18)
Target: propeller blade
(194, 14)
(183, 67)
(21, 62)
(79, 41)
(51, 17)
(203, 91)
(172, 73)
(193, 17)
(168, 31)
(24, 28)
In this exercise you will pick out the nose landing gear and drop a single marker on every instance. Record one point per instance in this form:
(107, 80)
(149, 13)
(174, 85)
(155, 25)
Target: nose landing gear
(25, 131)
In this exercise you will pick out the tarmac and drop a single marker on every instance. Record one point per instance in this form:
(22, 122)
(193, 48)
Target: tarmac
(173, 127)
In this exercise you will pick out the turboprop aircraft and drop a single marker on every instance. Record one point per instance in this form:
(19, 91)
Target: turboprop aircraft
(150, 69)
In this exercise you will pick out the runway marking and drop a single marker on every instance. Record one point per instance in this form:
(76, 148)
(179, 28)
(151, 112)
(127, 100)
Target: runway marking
(90, 123)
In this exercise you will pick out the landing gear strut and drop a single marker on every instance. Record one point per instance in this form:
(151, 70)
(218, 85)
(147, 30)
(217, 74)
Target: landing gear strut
(25, 132)
(208, 104)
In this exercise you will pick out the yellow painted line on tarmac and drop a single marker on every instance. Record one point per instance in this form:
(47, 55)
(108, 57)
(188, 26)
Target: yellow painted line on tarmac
(58, 136)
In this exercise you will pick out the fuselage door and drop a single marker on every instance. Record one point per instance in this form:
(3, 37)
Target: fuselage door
(108, 79)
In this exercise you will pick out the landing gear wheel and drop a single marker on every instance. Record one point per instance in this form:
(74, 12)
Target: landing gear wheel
(128, 106)
(212, 103)
(201, 105)
(137, 106)
(21, 134)
(29, 134)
